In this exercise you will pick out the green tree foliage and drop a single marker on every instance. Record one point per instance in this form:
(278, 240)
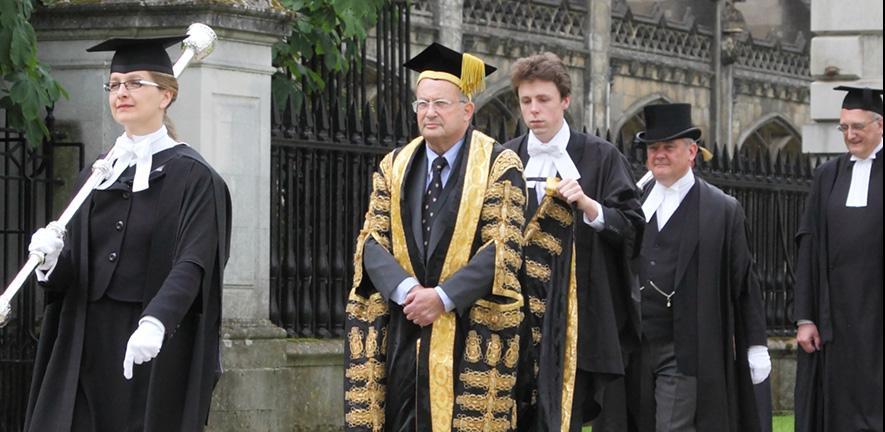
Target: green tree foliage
(26, 87)
(326, 30)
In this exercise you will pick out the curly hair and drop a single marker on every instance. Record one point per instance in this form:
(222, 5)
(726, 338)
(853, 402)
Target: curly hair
(545, 66)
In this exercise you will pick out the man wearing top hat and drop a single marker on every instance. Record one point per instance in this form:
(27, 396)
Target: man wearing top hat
(434, 313)
(838, 303)
(703, 327)
(582, 309)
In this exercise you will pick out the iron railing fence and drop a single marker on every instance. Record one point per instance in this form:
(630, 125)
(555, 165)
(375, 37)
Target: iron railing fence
(27, 183)
(323, 153)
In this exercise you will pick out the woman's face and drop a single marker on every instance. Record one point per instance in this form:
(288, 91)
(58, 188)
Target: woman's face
(139, 110)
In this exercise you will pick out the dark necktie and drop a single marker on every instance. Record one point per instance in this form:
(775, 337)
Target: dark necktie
(428, 211)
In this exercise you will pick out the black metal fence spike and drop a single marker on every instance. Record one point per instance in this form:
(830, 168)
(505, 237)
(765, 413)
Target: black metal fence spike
(369, 135)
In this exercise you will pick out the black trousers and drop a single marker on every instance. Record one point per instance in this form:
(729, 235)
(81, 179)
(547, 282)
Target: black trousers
(107, 402)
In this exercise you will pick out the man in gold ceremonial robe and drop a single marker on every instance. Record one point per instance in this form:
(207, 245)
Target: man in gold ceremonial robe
(433, 318)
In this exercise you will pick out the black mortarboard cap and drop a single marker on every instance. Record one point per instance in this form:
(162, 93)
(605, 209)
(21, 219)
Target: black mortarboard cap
(864, 98)
(132, 54)
(466, 71)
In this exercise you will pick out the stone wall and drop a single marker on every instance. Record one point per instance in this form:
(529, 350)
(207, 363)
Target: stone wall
(846, 49)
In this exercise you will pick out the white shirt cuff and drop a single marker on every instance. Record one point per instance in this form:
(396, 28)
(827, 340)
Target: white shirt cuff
(803, 321)
(402, 290)
(597, 224)
(447, 302)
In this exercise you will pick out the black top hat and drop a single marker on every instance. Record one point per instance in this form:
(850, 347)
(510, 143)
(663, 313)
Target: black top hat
(132, 54)
(864, 98)
(665, 122)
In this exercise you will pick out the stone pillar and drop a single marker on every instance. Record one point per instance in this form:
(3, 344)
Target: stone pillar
(449, 21)
(596, 69)
(223, 111)
(846, 49)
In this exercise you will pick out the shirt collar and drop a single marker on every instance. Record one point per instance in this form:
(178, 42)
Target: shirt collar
(659, 193)
(451, 154)
(560, 139)
(682, 185)
(872, 154)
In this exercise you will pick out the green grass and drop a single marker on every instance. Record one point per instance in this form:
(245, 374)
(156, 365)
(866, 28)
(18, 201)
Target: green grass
(783, 424)
(779, 424)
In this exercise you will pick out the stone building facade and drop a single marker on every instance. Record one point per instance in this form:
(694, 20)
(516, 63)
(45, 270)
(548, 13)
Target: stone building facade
(623, 55)
(846, 48)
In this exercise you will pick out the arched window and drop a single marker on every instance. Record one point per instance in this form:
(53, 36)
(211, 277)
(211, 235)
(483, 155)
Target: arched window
(634, 118)
(772, 134)
(501, 111)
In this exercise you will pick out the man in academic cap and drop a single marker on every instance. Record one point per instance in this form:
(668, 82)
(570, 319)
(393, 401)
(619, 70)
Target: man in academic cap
(433, 317)
(583, 231)
(703, 327)
(130, 337)
(838, 300)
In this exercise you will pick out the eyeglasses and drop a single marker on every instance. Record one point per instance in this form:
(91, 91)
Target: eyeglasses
(438, 104)
(130, 85)
(845, 128)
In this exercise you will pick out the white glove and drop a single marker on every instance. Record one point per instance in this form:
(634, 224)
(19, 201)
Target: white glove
(760, 363)
(144, 344)
(48, 243)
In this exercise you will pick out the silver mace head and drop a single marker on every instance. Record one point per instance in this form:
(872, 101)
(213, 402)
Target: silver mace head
(201, 39)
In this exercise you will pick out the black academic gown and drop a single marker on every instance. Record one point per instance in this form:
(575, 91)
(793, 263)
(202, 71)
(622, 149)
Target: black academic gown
(839, 287)
(183, 259)
(717, 315)
(390, 383)
(607, 288)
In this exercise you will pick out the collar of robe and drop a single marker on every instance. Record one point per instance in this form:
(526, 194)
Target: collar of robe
(137, 150)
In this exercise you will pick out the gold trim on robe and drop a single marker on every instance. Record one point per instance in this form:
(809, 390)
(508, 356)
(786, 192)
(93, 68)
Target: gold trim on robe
(570, 360)
(486, 200)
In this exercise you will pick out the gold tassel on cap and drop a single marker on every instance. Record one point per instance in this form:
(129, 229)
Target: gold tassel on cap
(473, 72)
(705, 153)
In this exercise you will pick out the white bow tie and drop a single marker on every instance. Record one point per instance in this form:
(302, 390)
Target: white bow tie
(546, 159)
(127, 152)
(536, 149)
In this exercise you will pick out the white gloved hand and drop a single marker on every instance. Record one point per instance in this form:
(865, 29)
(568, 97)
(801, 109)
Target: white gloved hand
(144, 344)
(760, 363)
(47, 242)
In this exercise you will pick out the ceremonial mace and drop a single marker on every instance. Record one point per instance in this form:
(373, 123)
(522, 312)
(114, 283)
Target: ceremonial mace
(199, 44)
